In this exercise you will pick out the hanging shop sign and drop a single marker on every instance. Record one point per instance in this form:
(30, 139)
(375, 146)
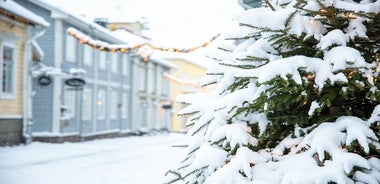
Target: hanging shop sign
(44, 80)
(167, 106)
(75, 82)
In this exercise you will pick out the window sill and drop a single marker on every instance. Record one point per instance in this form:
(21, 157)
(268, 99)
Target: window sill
(8, 96)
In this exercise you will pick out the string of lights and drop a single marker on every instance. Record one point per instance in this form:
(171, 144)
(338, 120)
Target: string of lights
(143, 50)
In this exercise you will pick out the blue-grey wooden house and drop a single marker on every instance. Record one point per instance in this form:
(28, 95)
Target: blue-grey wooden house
(120, 93)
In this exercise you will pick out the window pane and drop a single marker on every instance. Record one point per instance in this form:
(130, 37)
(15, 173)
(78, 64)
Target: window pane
(142, 76)
(124, 64)
(70, 48)
(101, 103)
(8, 67)
(87, 55)
(87, 104)
(114, 104)
(69, 102)
(154, 80)
(159, 80)
(102, 59)
(114, 63)
(164, 85)
(124, 106)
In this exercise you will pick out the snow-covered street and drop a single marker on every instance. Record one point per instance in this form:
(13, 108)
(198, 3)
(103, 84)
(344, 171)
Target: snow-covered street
(129, 160)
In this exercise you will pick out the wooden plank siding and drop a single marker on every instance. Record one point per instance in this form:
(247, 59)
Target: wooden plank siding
(14, 106)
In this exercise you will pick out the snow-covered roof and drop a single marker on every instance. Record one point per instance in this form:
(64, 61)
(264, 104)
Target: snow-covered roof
(120, 36)
(114, 11)
(197, 58)
(16, 9)
(162, 61)
(129, 37)
(78, 20)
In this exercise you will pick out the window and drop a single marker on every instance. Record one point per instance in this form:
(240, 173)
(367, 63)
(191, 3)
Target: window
(87, 55)
(124, 64)
(71, 48)
(154, 79)
(142, 76)
(164, 85)
(150, 78)
(102, 60)
(123, 107)
(69, 102)
(160, 77)
(101, 103)
(86, 104)
(8, 73)
(114, 105)
(114, 61)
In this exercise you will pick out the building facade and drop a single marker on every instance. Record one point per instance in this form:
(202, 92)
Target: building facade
(150, 92)
(108, 104)
(185, 79)
(18, 29)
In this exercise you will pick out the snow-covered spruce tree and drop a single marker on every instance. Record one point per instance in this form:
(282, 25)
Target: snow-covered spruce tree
(297, 98)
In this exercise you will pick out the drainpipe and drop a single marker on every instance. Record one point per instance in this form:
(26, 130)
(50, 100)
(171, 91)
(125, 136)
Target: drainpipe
(27, 95)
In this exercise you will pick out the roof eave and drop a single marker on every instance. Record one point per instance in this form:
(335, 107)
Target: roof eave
(95, 28)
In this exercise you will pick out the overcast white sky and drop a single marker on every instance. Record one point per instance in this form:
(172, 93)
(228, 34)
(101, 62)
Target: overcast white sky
(174, 22)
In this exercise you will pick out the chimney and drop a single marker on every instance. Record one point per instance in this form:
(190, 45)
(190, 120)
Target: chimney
(102, 21)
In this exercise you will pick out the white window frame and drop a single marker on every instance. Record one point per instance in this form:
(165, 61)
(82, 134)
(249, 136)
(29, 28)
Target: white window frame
(102, 60)
(124, 65)
(160, 77)
(69, 99)
(114, 105)
(12, 94)
(154, 78)
(87, 55)
(101, 103)
(114, 62)
(143, 77)
(86, 104)
(71, 49)
(124, 106)
(149, 78)
(165, 85)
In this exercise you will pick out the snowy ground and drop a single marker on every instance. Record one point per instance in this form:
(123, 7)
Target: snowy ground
(130, 160)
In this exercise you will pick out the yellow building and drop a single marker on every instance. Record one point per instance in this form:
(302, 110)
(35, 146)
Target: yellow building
(17, 48)
(184, 80)
(135, 27)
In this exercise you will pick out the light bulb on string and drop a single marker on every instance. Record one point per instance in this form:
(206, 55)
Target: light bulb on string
(123, 50)
(350, 15)
(323, 11)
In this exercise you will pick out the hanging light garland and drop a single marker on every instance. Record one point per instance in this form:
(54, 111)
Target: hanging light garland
(143, 50)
